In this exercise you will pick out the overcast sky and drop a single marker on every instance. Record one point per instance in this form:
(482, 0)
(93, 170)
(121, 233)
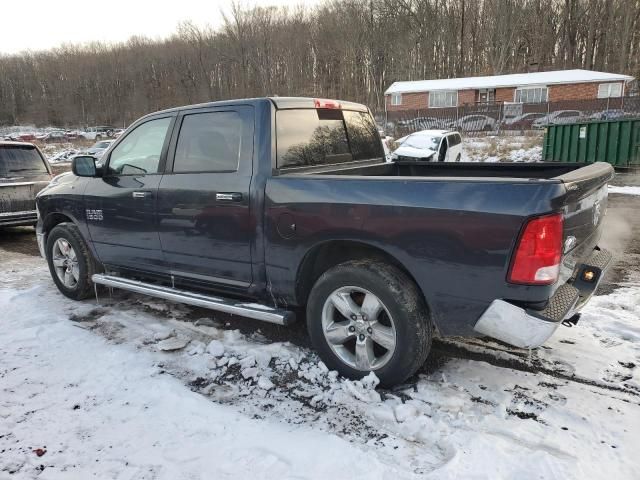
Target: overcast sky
(44, 24)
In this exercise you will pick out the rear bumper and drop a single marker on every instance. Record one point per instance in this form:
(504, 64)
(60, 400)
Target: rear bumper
(14, 219)
(528, 328)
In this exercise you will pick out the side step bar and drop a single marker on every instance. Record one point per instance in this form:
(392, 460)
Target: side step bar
(236, 307)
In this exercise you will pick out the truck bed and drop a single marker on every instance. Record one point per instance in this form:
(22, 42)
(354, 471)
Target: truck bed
(470, 170)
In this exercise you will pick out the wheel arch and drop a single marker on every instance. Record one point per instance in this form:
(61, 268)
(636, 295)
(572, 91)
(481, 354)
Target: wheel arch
(325, 255)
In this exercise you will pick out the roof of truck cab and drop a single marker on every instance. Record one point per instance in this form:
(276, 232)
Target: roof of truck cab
(279, 102)
(11, 143)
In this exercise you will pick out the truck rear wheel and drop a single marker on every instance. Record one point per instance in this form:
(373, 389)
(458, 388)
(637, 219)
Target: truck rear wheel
(70, 261)
(367, 315)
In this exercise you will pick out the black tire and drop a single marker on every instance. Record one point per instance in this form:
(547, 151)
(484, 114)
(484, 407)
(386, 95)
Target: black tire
(404, 303)
(87, 265)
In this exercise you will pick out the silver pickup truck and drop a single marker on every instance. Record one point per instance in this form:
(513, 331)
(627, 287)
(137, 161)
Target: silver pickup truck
(23, 173)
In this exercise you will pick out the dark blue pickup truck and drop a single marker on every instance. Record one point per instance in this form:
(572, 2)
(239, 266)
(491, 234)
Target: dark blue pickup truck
(261, 207)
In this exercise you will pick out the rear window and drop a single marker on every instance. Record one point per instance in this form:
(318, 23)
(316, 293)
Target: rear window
(20, 160)
(325, 137)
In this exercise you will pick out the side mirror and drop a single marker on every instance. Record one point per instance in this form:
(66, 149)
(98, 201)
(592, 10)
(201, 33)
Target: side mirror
(84, 166)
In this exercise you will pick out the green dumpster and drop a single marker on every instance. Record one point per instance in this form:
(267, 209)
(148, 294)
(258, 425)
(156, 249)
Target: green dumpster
(613, 141)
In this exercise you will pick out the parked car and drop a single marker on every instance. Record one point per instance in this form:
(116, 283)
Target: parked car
(474, 123)
(97, 133)
(608, 115)
(522, 122)
(54, 136)
(98, 148)
(558, 117)
(423, 123)
(21, 137)
(74, 134)
(429, 146)
(258, 207)
(23, 173)
(117, 132)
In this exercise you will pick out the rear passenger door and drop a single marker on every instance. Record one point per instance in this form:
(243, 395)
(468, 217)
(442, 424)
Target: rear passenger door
(205, 224)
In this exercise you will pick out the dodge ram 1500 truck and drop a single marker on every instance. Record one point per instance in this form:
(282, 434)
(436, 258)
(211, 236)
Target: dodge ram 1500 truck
(260, 207)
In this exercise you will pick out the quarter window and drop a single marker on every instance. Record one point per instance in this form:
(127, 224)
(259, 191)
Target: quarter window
(209, 142)
(609, 90)
(531, 95)
(396, 99)
(443, 99)
(140, 151)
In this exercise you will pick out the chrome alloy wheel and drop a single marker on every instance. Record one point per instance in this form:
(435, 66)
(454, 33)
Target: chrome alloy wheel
(358, 328)
(65, 263)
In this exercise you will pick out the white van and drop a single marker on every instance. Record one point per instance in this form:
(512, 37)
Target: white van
(430, 146)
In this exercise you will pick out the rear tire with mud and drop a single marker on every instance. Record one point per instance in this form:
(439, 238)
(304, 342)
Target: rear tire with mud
(367, 315)
(70, 261)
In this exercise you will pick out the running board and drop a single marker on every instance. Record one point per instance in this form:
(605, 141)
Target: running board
(236, 307)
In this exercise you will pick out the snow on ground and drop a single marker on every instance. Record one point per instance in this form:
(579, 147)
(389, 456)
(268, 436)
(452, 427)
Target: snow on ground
(626, 190)
(505, 148)
(92, 386)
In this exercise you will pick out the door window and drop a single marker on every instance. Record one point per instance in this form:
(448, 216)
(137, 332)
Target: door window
(209, 142)
(140, 152)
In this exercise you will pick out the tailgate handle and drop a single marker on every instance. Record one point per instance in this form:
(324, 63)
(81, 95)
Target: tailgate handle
(229, 197)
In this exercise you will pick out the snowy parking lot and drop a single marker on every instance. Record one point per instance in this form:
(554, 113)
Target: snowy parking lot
(136, 388)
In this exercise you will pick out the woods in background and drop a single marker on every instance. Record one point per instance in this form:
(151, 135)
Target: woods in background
(347, 49)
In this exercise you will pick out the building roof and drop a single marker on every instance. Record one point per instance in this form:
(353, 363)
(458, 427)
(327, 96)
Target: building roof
(514, 80)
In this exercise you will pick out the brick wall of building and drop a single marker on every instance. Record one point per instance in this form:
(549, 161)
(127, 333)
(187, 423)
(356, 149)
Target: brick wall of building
(505, 94)
(410, 101)
(466, 97)
(576, 91)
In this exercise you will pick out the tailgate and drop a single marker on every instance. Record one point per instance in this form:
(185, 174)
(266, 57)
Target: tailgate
(585, 207)
(19, 196)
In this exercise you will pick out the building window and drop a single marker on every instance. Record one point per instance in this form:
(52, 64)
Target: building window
(396, 99)
(487, 95)
(443, 99)
(609, 90)
(531, 95)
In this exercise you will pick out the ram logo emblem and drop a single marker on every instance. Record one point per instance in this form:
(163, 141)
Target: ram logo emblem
(94, 215)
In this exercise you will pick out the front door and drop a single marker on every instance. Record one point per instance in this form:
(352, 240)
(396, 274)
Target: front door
(121, 205)
(204, 210)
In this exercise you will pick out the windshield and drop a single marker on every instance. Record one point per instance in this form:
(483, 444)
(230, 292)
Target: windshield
(422, 141)
(102, 145)
(19, 160)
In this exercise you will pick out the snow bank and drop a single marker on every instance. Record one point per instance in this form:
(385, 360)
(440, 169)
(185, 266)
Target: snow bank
(92, 386)
(624, 190)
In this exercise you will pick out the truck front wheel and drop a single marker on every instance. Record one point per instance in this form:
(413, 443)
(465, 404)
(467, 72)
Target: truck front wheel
(368, 316)
(70, 261)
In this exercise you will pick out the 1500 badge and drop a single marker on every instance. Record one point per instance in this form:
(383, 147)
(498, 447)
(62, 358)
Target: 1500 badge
(94, 215)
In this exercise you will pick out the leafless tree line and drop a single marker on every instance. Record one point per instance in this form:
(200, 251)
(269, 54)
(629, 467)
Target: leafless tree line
(348, 49)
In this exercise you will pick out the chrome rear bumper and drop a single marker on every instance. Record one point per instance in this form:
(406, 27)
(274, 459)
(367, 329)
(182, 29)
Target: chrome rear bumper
(528, 328)
(14, 219)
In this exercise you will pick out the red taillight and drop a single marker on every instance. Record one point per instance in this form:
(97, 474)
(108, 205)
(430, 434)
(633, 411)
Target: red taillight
(539, 251)
(324, 103)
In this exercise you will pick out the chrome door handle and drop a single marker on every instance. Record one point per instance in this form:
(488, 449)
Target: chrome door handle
(229, 197)
(140, 194)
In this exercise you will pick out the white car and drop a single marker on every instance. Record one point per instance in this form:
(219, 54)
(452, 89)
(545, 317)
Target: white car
(430, 146)
(98, 148)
